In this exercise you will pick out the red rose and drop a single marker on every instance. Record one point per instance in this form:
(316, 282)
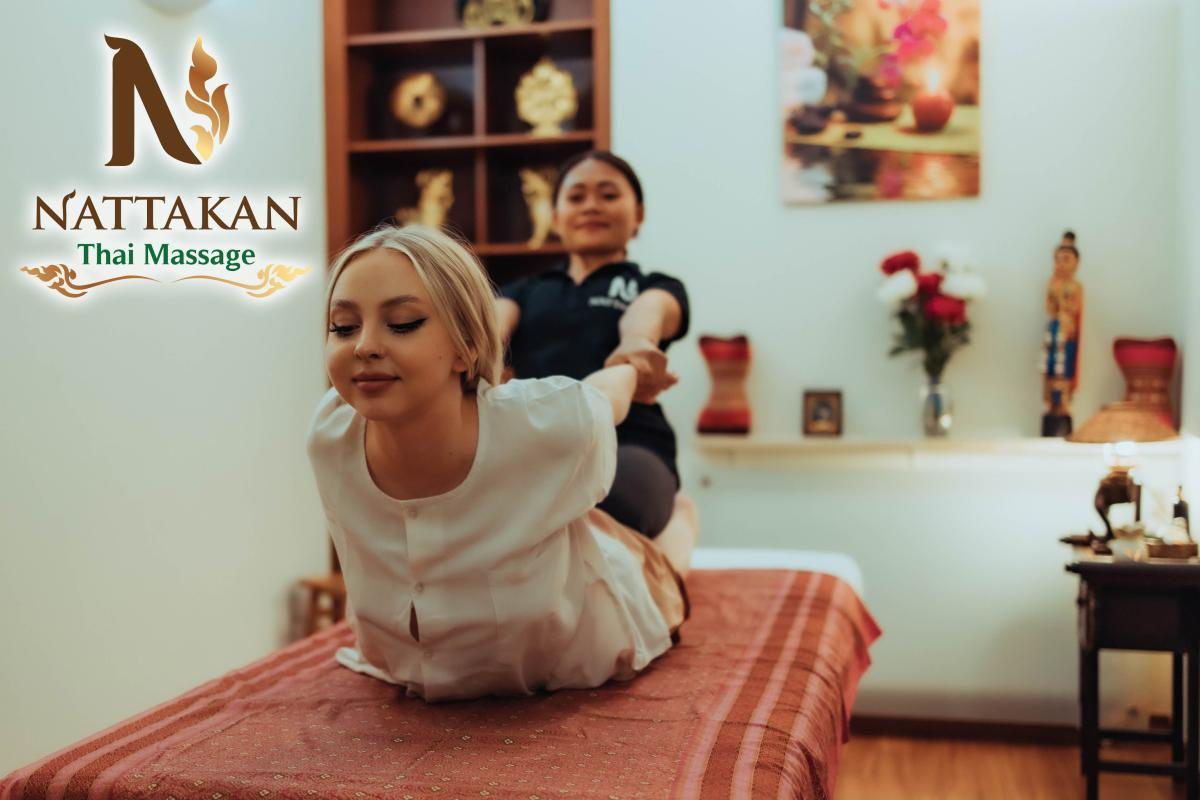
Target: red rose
(946, 309)
(928, 283)
(906, 260)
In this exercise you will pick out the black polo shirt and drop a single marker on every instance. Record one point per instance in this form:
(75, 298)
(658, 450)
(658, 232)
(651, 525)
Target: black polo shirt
(570, 330)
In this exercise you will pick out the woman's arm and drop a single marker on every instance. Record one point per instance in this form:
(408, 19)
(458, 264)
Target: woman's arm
(509, 314)
(618, 384)
(654, 315)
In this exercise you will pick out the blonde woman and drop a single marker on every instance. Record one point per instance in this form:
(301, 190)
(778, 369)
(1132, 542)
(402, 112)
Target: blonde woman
(463, 512)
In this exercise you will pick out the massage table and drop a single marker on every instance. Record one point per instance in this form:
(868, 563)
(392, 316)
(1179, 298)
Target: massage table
(754, 701)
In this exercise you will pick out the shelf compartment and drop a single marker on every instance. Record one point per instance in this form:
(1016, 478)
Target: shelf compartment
(508, 215)
(389, 183)
(376, 73)
(509, 59)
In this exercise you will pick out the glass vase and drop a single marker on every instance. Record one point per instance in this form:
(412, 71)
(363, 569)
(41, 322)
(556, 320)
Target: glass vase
(937, 410)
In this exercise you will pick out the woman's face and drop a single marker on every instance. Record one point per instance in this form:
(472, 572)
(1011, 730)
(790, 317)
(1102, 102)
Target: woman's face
(596, 210)
(382, 325)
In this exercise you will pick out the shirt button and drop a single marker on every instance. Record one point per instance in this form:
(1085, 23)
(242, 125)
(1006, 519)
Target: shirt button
(420, 587)
(412, 513)
(428, 653)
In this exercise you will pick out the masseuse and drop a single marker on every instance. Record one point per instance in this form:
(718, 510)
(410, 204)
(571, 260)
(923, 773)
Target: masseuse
(598, 309)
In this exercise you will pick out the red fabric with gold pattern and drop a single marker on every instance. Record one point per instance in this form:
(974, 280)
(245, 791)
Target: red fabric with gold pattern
(753, 702)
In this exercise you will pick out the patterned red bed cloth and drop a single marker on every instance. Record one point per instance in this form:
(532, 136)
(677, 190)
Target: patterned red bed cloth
(753, 702)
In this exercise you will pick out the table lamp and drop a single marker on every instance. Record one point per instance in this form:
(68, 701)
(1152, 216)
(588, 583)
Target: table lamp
(1143, 416)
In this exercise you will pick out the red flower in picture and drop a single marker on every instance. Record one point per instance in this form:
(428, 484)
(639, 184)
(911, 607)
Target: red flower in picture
(916, 37)
(906, 260)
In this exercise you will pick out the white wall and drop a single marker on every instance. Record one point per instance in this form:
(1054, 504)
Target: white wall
(1189, 217)
(155, 497)
(1189, 204)
(962, 565)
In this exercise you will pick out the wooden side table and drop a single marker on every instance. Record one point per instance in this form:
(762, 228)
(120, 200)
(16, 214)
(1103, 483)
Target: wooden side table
(1152, 605)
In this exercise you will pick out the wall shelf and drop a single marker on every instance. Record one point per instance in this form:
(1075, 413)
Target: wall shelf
(438, 143)
(890, 453)
(385, 38)
(518, 249)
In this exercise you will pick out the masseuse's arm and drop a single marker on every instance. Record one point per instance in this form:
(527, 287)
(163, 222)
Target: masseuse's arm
(653, 316)
(618, 384)
(509, 314)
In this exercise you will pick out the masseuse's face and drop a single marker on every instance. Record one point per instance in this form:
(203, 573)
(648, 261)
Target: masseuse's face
(387, 352)
(596, 211)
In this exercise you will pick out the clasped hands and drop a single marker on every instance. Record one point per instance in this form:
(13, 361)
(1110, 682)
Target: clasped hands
(653, 377)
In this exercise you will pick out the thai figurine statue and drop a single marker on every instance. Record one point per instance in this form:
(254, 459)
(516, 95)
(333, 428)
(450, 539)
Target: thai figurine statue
(1060, 348)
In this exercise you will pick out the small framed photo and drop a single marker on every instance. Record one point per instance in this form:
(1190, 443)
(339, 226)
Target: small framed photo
(823, 413)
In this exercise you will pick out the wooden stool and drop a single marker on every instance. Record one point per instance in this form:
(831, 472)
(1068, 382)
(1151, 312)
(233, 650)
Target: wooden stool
(331, 586)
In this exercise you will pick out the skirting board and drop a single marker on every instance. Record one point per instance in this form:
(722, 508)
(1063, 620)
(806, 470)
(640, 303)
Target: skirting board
(914, 728)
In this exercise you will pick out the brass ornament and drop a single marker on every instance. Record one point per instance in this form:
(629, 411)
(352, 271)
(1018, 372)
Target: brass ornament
(61, 278)
(271, 279)
(437, 197)
(536, 187)
(546, 97)
(486, 13)
(418, 99)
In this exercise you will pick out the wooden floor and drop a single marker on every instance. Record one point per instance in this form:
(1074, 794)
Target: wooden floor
(889, 768)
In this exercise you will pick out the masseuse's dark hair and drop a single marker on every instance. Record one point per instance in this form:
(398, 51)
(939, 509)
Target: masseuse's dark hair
(614, 161)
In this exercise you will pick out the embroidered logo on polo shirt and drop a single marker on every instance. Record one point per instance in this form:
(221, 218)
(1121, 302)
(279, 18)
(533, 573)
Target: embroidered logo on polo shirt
(621, 292)
(627, 290)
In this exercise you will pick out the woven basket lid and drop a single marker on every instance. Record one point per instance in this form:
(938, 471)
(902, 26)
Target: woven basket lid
(1125, 422)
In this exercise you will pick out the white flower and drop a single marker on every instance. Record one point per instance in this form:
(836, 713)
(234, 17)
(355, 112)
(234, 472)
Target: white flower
(952, 257)
(964, 285)
(897, 287)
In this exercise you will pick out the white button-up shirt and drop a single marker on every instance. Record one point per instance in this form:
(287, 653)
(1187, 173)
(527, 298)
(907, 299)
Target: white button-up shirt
(513, 587)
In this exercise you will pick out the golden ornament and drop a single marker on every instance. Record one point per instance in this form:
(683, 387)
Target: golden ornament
(537, 185)
(437, 197)
(418, 99)
(546, 97)
(486, 13)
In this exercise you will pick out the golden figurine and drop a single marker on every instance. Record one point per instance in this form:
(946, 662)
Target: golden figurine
(486, 13)
(437, 196)
(536, 187)
(546, 97)
(1060, 348)
(418, 99)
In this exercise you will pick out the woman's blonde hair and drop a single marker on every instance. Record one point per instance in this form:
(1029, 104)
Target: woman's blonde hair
(459, 288)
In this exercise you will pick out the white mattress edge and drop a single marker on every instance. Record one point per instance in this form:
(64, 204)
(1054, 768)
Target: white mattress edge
(839, 565)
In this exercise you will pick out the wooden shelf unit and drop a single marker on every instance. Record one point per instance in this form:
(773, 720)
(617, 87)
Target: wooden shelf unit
(372, 159)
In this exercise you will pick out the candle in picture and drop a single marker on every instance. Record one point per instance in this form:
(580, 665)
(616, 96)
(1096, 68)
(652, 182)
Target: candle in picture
(933, 106)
